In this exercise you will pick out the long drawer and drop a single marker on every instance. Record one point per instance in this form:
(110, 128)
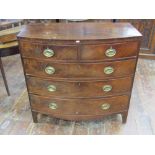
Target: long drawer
(79, 106)
(96, 52)
(78, 89)
(105, 70)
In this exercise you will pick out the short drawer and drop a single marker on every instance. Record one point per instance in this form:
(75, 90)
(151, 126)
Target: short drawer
(109, 51)
(47, 51)
(104, 70)
(82, 89)
(100, 106)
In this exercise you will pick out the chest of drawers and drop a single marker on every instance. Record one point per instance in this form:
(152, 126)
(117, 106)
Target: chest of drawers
(79, 71)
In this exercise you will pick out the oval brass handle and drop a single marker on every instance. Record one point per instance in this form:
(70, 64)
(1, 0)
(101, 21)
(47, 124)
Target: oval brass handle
(107, 88)
(110, 52)
(50, 70)
(53, 106)
(108, 70)
(105, 106)
(48, 53)
(51, 88)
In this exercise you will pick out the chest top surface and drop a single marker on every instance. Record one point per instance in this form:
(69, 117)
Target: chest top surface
(79, 31)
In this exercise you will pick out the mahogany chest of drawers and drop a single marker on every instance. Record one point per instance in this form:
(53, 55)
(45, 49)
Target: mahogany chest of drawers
(79, 71)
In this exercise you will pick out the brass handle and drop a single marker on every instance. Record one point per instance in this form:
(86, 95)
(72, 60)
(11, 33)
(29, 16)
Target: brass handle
(108, 70)
(53, 106)
(110, 52)
(105, 106)
(51, 88)
(107, 88)
(48, 53)
(50, 70)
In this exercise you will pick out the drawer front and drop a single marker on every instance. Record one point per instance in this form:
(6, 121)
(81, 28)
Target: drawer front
(109, 51)
(80, 70)
(68, 89)
(100, 106)
(42, 51)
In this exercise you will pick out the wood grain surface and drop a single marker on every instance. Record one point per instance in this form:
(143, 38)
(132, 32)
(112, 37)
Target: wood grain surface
(79, 107)
(72, 57)
(79, 89)
(96, 52)
(79, 31)
(80, 70)
(16, 118)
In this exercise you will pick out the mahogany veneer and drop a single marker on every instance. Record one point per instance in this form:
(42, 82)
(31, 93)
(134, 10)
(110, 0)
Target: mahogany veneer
(79, 89)
(79, 71)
